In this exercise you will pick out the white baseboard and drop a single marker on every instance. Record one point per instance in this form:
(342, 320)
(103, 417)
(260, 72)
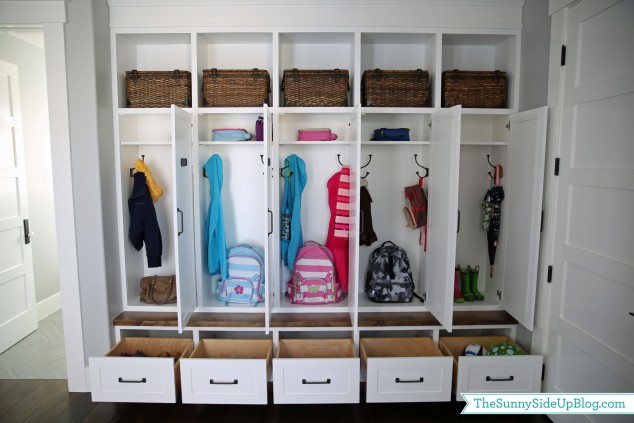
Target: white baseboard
(49, 306)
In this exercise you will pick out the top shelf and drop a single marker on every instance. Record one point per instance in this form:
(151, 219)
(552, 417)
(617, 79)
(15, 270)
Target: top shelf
(355, 51)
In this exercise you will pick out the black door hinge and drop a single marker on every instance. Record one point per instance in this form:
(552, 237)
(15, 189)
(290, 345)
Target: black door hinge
(563, 55)
(557, 166)
(549, 278)
(541, 223)
(27, 232)
(543, 371)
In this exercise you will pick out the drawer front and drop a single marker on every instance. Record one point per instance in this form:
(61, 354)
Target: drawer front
(132, 379)
(223, 381)
(499, 374)
(409, 379)
(315, 380)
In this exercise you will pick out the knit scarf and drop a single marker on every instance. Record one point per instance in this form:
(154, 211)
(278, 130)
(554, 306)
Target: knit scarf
(342, 205)
(339, 227)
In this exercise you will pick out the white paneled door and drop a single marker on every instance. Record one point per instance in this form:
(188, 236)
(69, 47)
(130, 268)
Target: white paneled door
(444, 154)
(18, 316)
(591, 338)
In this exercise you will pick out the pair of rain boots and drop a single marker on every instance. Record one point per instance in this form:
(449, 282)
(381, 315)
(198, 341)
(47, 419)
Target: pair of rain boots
(466, 285)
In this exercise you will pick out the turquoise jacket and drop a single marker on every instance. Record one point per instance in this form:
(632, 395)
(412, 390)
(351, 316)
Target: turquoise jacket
(216, 243)
(294, 182)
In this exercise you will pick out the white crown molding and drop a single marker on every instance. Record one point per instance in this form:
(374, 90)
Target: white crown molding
(347, 14)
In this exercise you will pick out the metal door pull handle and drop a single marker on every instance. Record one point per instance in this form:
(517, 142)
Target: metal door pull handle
(121, 380)
(213, 382)
(420, 380)
(326, 382)
(507, 379)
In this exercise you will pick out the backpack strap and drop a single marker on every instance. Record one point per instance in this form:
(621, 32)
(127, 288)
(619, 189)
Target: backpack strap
(389, 242)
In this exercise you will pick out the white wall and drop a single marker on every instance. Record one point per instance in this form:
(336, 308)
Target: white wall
(535, 52)
(89, 130)
(29, 57)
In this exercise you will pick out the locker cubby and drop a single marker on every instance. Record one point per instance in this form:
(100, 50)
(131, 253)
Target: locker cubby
(149, 52)
(484, 52)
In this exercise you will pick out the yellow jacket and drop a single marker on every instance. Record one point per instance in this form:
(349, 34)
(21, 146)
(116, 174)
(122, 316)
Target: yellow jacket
(155, 190)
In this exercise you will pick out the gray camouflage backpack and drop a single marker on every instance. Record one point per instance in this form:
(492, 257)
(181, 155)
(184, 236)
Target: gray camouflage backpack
(389, 277)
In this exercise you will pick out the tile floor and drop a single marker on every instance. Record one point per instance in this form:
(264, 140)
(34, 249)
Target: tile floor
(38, 356)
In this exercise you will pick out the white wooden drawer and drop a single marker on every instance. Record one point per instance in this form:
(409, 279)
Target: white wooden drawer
(139, 379)
(405, 370)
(316, 372)
(227, 371)
(478, 374)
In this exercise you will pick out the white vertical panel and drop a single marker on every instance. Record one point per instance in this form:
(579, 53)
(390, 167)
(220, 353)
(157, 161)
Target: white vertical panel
(183, 215)
(522, 219)
(442, 220)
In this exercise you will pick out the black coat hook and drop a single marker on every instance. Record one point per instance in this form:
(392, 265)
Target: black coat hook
(489, 160)
(369, 160)
(282, 172)
(420, 165)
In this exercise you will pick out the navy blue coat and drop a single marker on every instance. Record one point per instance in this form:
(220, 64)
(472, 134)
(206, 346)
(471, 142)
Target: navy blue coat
(143, 223)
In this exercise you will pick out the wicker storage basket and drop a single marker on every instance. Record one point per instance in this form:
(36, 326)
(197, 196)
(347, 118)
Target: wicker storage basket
(236, 87)
(158, 88)
(315, 88)
(474, 89)
(394, 88)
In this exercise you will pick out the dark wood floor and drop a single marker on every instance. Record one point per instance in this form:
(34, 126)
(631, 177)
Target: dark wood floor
(49, 401)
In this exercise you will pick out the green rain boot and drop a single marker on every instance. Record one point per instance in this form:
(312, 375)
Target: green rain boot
(474, 282)
(465, 285)
(457, 296)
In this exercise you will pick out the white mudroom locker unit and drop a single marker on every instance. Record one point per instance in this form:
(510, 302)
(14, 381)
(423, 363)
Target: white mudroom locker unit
(225, 353)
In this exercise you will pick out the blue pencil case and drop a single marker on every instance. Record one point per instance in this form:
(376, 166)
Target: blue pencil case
(231, 134)
(391, 134)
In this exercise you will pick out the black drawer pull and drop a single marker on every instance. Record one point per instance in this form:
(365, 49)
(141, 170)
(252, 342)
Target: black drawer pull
(508, 379)
(132, 381)
(398, 380)
(213, 382)
(326, 382)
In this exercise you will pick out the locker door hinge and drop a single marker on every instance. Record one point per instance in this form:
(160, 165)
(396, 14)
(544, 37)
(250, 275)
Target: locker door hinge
(508, 125)
(268, 161)
(557, 166)
(499, 294)
(563, 55)
(27, 231)
(543, 371)
(541, 223)
(549, 277)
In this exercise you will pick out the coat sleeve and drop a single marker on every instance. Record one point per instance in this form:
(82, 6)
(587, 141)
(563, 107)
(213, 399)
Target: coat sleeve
(153, 239)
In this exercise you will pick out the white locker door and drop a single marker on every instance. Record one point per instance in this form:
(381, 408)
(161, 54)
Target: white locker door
(184, 215)
(442, 218)
(522, 212)
(266, 190)
(353, 246)
(590, 344)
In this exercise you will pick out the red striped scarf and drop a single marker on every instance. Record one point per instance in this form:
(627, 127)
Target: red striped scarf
(342, 208)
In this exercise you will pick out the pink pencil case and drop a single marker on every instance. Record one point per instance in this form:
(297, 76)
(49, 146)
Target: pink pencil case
(316, 134)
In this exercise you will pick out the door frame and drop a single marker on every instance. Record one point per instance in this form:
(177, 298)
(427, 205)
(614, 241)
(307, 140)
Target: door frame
(50, 16)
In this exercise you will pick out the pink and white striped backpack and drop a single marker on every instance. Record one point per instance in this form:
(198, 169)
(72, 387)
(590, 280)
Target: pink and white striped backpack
(314, 279)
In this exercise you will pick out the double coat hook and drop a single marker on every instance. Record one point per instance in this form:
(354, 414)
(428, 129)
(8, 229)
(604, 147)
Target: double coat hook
(420, 165)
